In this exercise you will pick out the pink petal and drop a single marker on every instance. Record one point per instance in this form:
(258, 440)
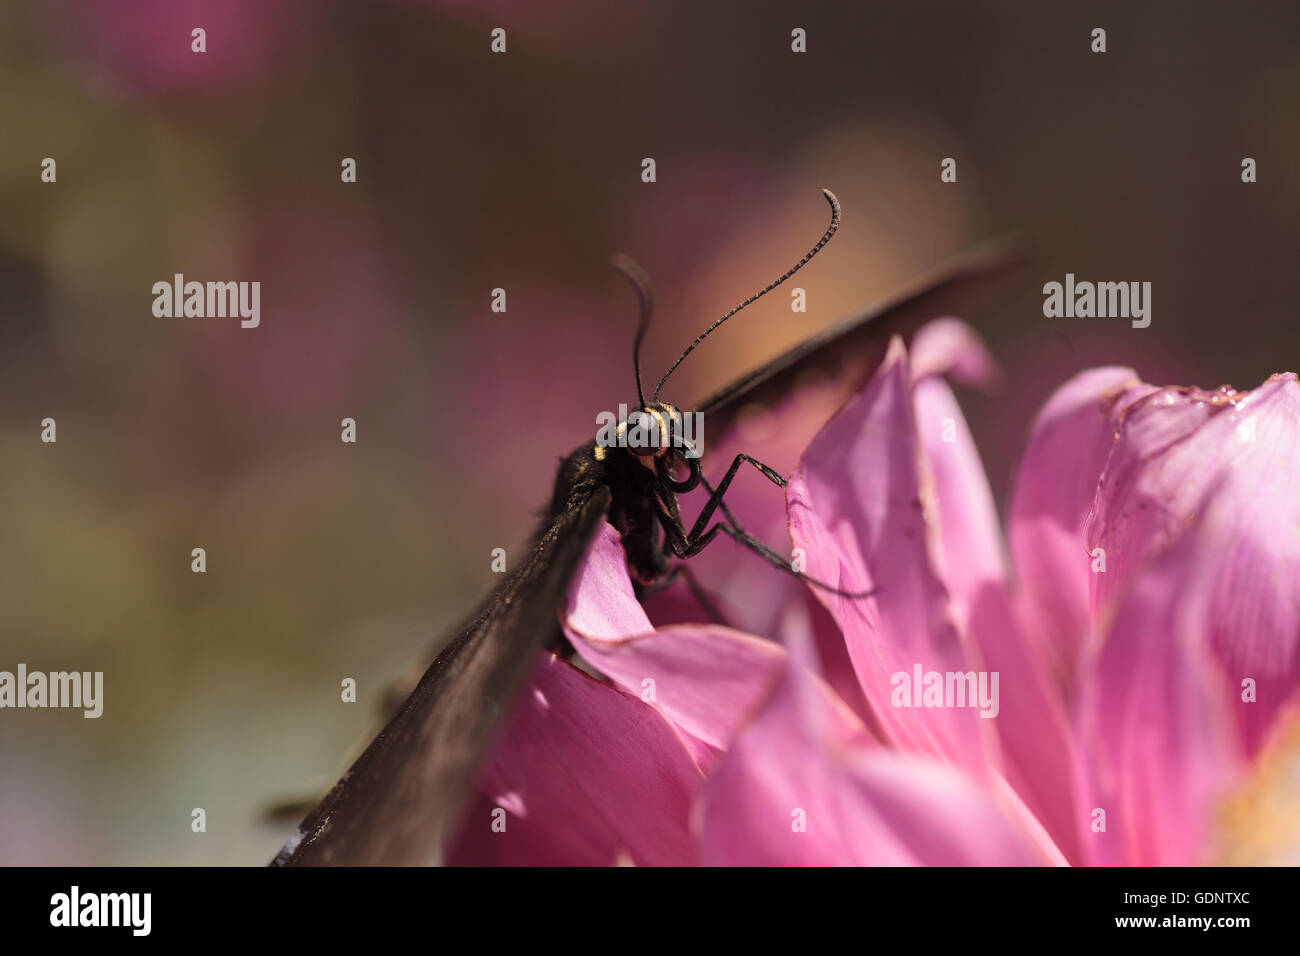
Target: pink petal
(808, 622)
(587, 776)
(1029, 825)
(1032, 724)
(677, 604)
(1155, 724)
(951, 348)
(805, 785)
(706, 679)
(970, 539)
(602, 605)
(856, 510)
(1055, 486)
(1231, 461)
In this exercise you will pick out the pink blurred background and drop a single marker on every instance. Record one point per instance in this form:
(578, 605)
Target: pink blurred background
(521, 171)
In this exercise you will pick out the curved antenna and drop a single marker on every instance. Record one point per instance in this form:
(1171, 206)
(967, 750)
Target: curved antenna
(645, 295)
(830, 231)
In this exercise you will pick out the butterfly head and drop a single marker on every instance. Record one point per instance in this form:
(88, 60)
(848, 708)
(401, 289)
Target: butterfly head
(670, 445)
(653, 431)
(657, 435)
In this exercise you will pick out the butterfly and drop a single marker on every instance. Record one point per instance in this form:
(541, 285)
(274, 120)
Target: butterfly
(397, 802)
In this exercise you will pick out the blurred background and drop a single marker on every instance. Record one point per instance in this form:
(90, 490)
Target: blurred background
(522, 171)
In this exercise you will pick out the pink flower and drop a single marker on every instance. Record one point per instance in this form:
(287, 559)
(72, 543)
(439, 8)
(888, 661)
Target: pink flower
(1130, 677)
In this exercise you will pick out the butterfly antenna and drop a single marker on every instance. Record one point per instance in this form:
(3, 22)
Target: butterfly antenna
(645, 294)
(826, 237)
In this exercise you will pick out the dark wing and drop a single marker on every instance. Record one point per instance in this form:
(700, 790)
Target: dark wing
(849, 350)
(394, 805)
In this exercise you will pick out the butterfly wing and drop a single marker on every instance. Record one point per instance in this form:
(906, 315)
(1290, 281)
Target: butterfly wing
(844, 353)
(395, 803)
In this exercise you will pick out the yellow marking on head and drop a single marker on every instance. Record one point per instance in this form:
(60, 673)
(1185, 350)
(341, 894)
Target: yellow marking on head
(598, 452)
(665, 435)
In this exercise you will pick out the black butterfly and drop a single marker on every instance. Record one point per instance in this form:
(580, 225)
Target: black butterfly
(397, 801)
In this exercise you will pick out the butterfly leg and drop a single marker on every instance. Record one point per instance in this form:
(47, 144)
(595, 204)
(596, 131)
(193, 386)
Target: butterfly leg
(686, 545)
(715, 496)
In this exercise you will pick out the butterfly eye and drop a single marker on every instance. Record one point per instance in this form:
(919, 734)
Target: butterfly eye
(642, 434)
